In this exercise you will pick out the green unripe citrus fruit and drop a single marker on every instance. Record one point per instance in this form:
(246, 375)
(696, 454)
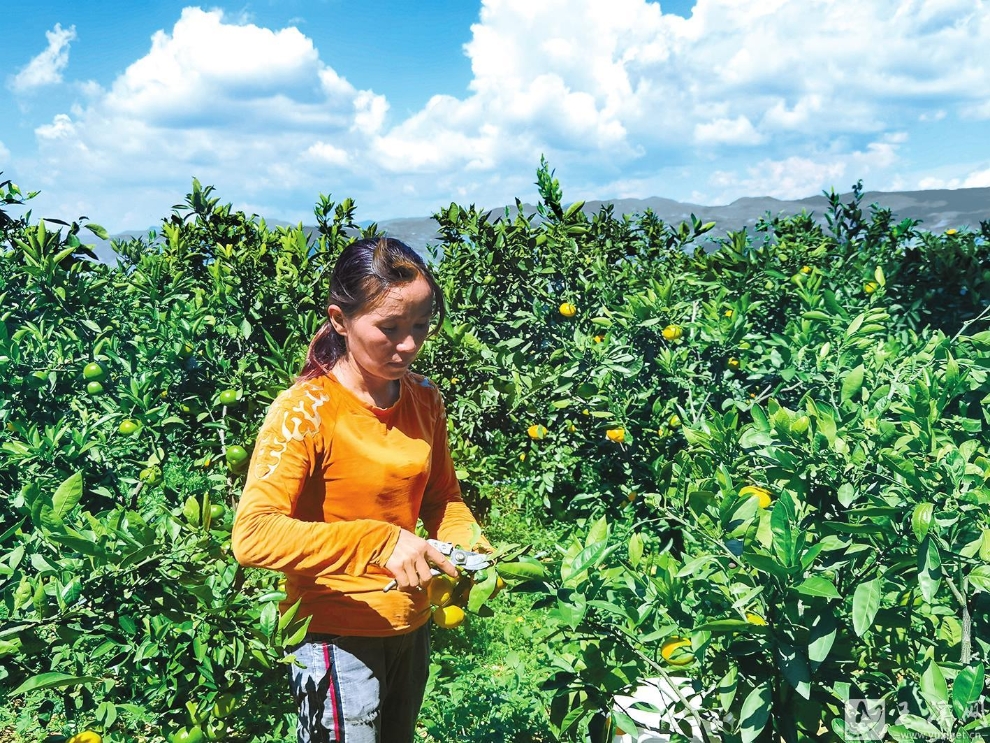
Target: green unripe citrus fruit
(94, 371)
(128, 426)
(151, 475)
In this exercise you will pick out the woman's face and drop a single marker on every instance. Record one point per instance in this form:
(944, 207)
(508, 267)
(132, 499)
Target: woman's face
(383, 341)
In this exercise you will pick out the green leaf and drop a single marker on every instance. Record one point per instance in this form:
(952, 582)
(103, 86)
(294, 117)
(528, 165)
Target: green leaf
(967, 689)
(597, 533)
(866, 602)
(929, 569)
(68, 495)
(781, 519)
(570, 608)
(52, 680)
(921, 519)
(855, 325)
(525, 568)
(192, 510)
(482, 591)
(933, 686)
(979, 578)
(728, 686)
(852, 383)
(289, 615)
(765, 564)
(44, 514)
(98, 230)
(588, 558)
(846, 494)
(821, 637)
(635, 549)
(625, 723)
(731, 625)
(755, 713)
(760, 420)
(794, 667)
(269, 619)
(818, 586)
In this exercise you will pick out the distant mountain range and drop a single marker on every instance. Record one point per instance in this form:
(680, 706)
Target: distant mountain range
(936, 210)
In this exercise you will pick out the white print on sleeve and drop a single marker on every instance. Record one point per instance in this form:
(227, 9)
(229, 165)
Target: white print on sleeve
(298, 422)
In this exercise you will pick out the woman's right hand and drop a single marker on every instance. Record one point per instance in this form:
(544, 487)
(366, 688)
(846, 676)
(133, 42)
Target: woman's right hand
(412, 559)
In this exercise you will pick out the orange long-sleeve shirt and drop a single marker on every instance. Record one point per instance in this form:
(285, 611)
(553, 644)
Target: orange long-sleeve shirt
(332, 481)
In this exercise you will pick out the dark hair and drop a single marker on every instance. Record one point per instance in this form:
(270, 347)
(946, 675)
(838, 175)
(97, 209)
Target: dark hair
(364, 273)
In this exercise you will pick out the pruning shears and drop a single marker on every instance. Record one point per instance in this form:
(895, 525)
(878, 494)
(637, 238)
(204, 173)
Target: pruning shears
(464, 560)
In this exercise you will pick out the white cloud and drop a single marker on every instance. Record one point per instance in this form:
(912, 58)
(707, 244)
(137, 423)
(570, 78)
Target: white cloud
(327, 153)
(60, 128)
(248, 109)
(4, 154)
(796, 177)
(207, 72)
(974, 179)
(46, 68)
(776, 97)
(369, 112)
(738, 131)
(624, 83)
(979, 110)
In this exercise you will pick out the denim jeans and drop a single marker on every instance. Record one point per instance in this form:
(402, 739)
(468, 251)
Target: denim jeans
(360, 689)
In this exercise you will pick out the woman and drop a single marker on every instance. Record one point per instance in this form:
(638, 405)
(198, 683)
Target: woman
(345, 463)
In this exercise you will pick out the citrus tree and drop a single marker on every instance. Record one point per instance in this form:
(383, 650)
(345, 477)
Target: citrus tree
(773, 453)
(130, 398)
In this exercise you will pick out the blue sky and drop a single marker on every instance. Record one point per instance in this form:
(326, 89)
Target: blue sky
(110, 109)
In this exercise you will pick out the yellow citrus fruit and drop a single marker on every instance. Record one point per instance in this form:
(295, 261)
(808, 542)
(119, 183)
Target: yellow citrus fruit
(762, 494)
(733, 363)
(674, 421)
(441, 590)
(951, 232)
(754, 618)
(536, 431)
(870, 286)
(86, 736)
(728, 313)
(567, 309)
(805, 270)
(618, 435)
(677, 651)
(599, 338)
(448, 617)
(499, 585)
(672, 332)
